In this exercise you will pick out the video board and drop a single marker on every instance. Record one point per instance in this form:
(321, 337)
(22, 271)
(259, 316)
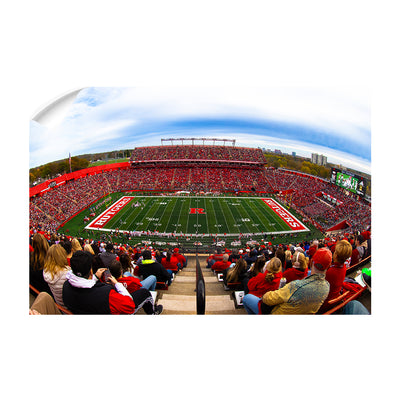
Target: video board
(349, 181)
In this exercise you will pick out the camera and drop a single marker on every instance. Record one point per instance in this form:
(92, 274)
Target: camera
(106, 275)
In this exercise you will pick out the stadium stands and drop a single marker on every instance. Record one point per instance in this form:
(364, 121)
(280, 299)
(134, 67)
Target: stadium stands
(198, 169)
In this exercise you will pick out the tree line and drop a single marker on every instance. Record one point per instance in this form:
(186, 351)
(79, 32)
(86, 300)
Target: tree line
(56, 168)
(296, 164)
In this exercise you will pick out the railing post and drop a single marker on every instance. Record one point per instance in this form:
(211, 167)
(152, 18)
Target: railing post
(200, 289)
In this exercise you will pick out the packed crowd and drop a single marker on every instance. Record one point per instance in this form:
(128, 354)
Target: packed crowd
(95, 277)
(55, 206)
(186, 152)
(61, 203)
(297, 278)
(305, 278)
(305, 200)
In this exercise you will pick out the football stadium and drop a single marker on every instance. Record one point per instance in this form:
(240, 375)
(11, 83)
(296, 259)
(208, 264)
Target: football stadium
(200, 229)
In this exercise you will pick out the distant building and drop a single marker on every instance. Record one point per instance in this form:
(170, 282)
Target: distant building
(293, 153)
(318, 159)
(277, 151)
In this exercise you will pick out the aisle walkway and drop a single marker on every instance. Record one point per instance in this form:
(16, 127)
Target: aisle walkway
(180, 298)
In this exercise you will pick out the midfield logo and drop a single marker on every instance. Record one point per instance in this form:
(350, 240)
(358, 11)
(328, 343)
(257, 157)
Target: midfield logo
(196, 211)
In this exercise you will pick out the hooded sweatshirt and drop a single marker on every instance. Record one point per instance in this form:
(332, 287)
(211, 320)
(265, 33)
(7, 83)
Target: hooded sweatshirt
(56, 284)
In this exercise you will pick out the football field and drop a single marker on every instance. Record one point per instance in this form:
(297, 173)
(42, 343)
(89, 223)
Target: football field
(229, 216)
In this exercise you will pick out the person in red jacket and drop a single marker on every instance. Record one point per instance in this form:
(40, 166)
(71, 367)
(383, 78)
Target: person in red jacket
(336, 273)
(130, 282)
(170, 262)
(299, 269)
(181, 258)
(268, 280)
(221, 265)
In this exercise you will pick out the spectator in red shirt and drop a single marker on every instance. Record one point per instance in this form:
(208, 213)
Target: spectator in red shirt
(181, 258)
(336, 273)
(217, 256)
(130, 282)
(221, 265)
(298, 270)
(170, 262)
(268, 280)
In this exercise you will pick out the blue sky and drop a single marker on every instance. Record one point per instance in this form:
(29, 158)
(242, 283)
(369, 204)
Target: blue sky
(330, 121)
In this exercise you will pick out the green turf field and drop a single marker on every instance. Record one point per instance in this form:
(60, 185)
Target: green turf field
(190, 215)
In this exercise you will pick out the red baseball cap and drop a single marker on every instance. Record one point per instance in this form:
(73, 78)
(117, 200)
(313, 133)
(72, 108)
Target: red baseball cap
(322, 259)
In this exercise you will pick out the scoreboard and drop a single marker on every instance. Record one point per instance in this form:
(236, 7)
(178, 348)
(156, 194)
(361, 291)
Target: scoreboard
(349, 181)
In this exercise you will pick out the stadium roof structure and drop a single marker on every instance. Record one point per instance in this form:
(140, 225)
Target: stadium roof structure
(203, 140)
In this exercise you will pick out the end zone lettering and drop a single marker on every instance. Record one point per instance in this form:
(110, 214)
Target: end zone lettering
(102, 219)
(293, 222)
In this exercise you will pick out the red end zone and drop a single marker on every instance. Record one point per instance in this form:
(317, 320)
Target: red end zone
(292, 221)
(103, 218)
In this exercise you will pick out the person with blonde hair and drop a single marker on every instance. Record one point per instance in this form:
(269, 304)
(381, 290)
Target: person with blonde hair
(299, 269)
(337, 272)
(76, 245)
(89, 248)
(40, 247)
(55, 271)
(261, 284)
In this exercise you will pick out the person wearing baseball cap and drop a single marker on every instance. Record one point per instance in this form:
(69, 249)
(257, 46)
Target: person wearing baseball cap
(181, 258)
(303, 296)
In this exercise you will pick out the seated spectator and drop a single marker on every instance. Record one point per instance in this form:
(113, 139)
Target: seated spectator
(337, 272)
(170, 262)
(257, 267)
(44, 304)
(354, 307)
(300, 297)
(89, 248)
(237, 273)
(299, 268)
(55, 271)
(262, 283)
(148, 267)
(108, 256)
(36, 263)
(217, 256)
(288, 259)
(76, 245)
(126, 263)
(361, 249)
(68, 248)
(130, 282)
(234, 256)
(181, 258)
(251, 257)
(83, 293)
(221, 265)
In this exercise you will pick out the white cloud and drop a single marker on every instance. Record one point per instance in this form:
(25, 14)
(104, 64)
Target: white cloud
(108, 112)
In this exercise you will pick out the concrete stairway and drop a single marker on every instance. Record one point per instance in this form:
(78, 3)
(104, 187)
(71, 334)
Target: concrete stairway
(180, 298)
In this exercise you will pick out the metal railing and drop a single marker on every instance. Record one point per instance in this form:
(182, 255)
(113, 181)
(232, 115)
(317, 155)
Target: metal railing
(200, 289)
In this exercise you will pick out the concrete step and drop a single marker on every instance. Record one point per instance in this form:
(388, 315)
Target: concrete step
(180, 298)
(187, 304)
